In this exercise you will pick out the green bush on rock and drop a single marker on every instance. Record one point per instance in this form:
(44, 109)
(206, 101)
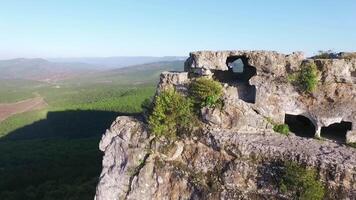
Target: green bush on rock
(172, 113)
(281, 128)
(301, 183)
(146, 106)
(352, 145)
(306, 79)
(205, 92)
(329, 54)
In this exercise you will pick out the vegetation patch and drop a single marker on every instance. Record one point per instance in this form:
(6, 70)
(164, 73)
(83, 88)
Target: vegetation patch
(171, 115)
(301, 183)
(49, 168)
(352, 145)
(205, 92)
(329, 54)
(306, 79)
(53, 153)
(281, 128)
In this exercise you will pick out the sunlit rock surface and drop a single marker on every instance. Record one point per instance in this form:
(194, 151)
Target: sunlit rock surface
(238, 155)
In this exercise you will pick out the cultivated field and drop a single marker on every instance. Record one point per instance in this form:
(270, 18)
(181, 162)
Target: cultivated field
(9, 109)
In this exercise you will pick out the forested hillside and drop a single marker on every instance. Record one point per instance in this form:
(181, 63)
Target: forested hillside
(53, 153)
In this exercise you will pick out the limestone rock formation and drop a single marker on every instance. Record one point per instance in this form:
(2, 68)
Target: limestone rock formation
(333, 102)
(125, 146)
(237, 155)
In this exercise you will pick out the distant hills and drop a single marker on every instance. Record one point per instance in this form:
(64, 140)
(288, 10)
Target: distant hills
(118, 61)
(136, 74)
(40, 69)
(52, 70)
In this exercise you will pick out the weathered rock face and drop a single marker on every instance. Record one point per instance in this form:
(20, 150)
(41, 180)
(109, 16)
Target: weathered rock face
(268, 61)
(351, 137)
(177, 80)
(218, 165)
(334, 100)
(125, 146)
(238, 155)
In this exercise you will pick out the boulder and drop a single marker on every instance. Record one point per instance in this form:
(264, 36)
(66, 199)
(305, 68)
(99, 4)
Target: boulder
(351, 137)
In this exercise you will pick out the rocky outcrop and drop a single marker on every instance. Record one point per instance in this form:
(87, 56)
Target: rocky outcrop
(351, 137)
(217, 165)
(237, 155)
(125, 146)
(333, 101)
(178, 80)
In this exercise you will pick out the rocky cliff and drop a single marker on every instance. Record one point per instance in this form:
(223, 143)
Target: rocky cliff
(236, 154)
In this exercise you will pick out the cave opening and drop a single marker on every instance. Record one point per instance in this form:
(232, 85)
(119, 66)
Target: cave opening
(337, 131)
(238, 75)
(353, 73)
(300, 125)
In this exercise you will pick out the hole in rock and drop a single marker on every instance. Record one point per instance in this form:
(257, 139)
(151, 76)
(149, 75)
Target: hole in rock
(238, 75)
(300, 125)
(353, 74)
(337, 131)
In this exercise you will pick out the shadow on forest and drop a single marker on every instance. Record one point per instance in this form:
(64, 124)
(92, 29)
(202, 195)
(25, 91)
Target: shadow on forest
(67, 124)
(54, 158)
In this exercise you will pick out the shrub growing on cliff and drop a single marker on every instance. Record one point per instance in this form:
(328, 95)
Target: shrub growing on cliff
(172, 113)
(146, 107)
(306, 79)
(329, 54)
(205, 92)
(352, 145)
(301, 183)
(281, 128)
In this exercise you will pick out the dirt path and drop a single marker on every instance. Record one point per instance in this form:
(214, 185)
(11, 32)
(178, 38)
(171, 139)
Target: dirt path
(9, 109)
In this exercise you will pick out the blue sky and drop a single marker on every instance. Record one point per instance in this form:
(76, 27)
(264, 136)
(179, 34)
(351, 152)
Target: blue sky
(78, 28)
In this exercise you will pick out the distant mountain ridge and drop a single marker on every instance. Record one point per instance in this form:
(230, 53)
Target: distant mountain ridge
(40, 69)
(135, 74)
(117, 61)
(53, 70)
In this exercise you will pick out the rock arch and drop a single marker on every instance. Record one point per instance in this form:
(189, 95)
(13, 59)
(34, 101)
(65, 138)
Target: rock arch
(238, 75)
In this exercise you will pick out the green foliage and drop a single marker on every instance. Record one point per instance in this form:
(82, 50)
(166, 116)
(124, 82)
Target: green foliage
(172, 113)
(205, 92)
(16, 90)
(301, 183)
(306, 79)
(19, 120)
(329, 54)
(53, 153)
(49, 169)
(281, 128)
(123, 100)
(147, 106)
(352, 145)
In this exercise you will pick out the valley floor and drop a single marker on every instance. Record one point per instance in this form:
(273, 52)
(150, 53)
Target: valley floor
(9, 109)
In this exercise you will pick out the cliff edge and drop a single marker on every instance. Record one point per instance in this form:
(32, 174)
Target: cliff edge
(237, 153)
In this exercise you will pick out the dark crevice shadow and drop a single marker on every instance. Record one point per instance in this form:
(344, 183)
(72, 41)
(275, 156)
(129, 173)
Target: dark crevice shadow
(336, 132)
(67, 124)
(300, 125)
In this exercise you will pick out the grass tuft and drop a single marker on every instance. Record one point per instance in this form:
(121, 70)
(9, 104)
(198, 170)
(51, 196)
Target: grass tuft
(301, 183)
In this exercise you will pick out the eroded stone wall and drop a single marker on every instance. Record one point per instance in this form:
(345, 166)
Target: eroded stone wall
(333, 101)
(238, 155)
